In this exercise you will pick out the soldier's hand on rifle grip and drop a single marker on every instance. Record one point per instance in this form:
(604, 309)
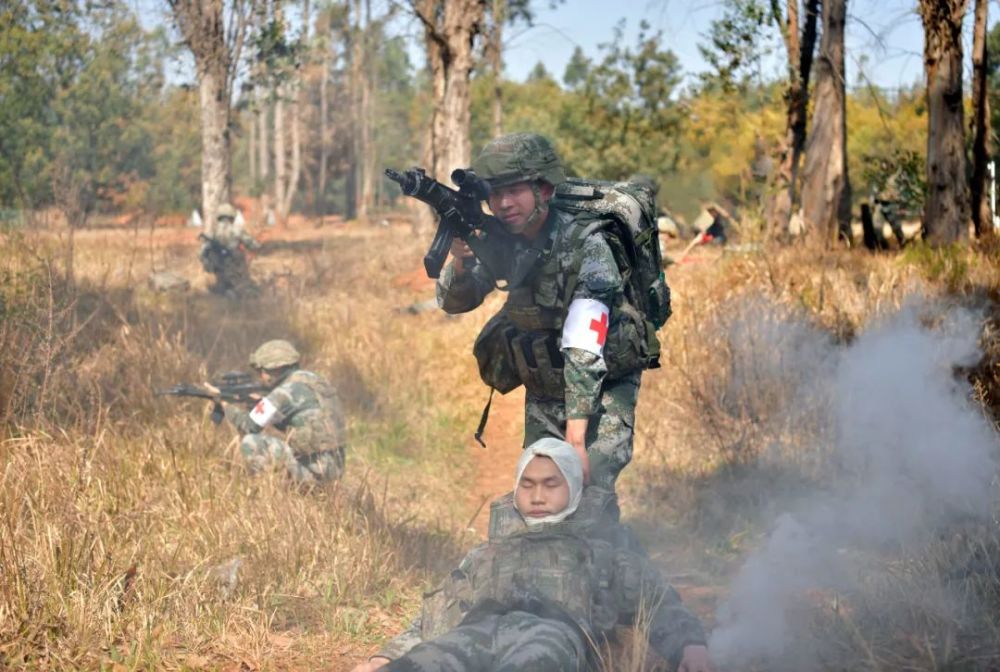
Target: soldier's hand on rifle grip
(460, 252)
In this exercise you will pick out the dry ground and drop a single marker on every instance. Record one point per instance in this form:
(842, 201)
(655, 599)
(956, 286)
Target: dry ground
(131, 539)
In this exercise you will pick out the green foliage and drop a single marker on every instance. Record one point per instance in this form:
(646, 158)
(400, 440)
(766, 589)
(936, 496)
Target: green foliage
(80, 123)
(738, 41)
(948, 265)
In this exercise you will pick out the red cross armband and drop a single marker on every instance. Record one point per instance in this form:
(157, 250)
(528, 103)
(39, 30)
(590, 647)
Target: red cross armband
(264, 412)
(586, 326)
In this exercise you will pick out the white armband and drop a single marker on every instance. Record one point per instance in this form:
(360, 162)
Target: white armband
(586, 326)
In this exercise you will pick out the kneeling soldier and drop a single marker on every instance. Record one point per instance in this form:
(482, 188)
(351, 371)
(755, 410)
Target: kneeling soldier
(302, 404)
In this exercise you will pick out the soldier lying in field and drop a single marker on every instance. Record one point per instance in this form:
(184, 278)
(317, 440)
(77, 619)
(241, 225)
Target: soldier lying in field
(554, 579)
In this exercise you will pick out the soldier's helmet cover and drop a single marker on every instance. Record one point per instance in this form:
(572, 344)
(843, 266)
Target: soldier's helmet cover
(225, 211)
(274, 355)
(568, 462)
(519, 157)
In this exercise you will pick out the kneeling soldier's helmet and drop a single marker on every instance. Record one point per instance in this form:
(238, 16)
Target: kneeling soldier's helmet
(225, 211)
(519, 157)
(274, 355)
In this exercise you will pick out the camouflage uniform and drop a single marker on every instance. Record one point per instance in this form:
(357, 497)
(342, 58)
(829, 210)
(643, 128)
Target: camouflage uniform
(888, 202)
(534, 599)
(222, 254)
(578, 263)
(304, 405)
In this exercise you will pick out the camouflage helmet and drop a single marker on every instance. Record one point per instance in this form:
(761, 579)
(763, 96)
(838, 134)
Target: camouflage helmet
(225, 211)
(519, 157)
(274, 355)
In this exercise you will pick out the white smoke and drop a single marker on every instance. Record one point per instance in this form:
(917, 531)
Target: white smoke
(911, 452)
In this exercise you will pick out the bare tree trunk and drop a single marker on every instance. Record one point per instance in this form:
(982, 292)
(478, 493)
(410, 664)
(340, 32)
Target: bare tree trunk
(252, 149)
(324, 112)
(982, 217)
(263, 157)
(450, 30)
(215, 46)
(494, 54)
(826, 188)
(216, 173)
(279, 152)
(366, 196)
(291, 187)
(946, 214)
(800, 57)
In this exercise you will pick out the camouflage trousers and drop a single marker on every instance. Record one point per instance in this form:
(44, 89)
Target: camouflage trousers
(516, 641)
(609, 431)
(263, 452)
(231, 270)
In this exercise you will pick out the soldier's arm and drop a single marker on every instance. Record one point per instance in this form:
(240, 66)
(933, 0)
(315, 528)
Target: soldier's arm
(647, 600)
(270, 410)
(600, 282)
(462, 292)
(400, 645)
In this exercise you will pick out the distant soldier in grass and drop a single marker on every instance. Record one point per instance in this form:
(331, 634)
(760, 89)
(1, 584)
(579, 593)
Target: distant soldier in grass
(223, 253)
(568, 333)
(302, 404)
(550, 583)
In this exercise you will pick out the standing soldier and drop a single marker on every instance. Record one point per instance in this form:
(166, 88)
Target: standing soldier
(302, 404)
(223, 252)
(567, 333)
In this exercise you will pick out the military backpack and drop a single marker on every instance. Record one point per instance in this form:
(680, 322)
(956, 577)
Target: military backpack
(626, 211)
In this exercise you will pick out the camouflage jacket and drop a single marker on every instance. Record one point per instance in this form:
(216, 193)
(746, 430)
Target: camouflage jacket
(540, 305)
(577, 571)
(305, 405)
(233, 234)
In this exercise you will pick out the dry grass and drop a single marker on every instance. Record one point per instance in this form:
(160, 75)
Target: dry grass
(130, 534)
(130, 537)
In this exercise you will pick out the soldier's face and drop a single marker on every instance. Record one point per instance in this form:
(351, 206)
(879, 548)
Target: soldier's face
(515, 203)
(542, 490)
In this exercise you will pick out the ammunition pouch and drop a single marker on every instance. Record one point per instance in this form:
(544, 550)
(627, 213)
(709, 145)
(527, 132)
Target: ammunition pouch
(493, 354)
(539, 363)
(632, 345)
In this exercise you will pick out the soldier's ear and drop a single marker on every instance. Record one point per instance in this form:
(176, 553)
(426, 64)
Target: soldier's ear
(546, 190)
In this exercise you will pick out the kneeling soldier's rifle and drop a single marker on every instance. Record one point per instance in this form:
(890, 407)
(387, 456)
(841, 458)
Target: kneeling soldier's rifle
(234, 386)
(461, 215)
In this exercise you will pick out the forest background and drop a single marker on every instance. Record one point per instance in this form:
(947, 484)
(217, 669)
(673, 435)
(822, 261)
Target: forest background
(102, 105)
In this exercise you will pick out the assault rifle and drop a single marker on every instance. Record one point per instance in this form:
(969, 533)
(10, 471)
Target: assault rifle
(460, 215)
(215, 246)
(234, 386)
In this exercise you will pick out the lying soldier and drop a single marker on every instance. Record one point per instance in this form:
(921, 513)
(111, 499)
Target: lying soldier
(553, 580)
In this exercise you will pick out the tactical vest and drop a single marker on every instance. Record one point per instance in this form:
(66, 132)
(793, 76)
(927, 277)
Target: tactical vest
(317, 421)
(521, 344)
(556, 570)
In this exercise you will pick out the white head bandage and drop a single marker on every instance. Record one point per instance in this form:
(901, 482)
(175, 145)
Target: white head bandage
(567, 461)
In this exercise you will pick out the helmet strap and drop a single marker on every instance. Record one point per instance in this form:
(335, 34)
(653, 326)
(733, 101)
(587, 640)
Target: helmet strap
(537, 192)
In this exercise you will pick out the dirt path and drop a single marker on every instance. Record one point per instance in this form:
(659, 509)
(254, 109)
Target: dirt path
(495, 463)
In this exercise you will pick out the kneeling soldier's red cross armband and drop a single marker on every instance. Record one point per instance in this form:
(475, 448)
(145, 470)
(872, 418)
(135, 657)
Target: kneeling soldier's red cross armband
(263, 413)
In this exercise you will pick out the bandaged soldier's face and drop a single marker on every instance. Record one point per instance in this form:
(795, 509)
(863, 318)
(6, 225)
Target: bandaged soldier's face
(542, 490)
(515, 203)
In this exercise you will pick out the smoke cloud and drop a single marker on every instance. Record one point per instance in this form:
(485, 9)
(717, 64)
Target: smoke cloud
(909, 453)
